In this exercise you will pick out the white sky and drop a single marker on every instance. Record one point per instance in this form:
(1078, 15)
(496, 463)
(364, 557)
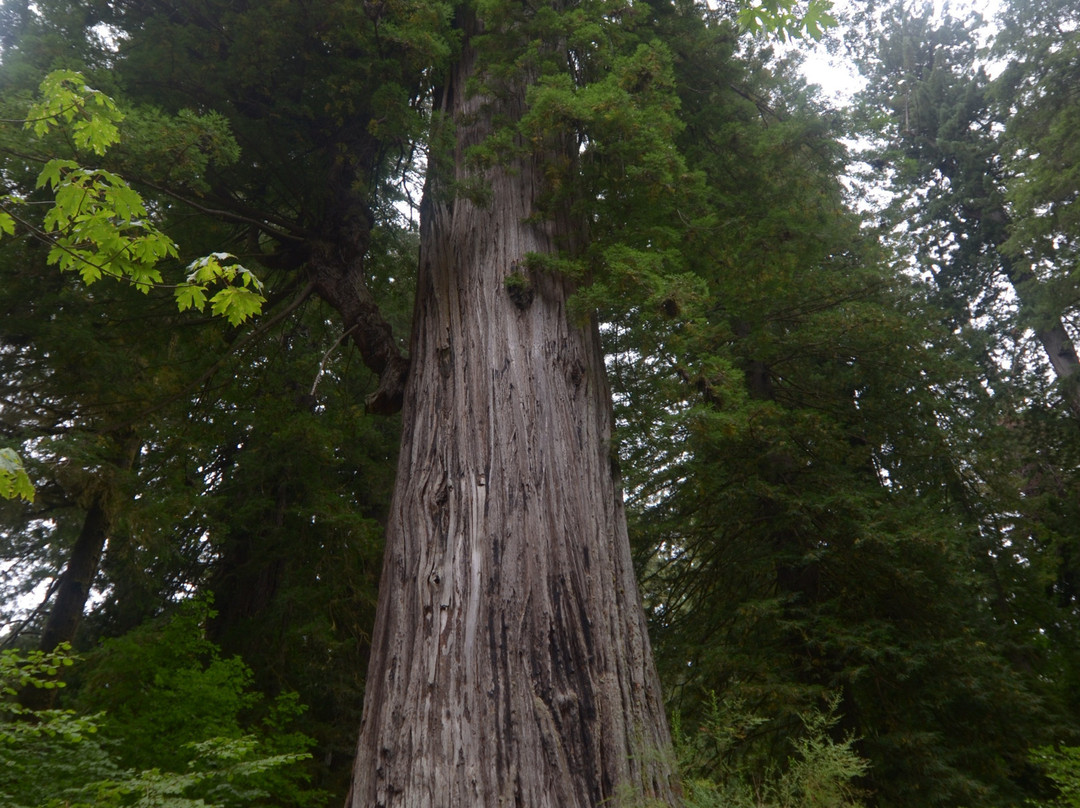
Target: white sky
(840, 80)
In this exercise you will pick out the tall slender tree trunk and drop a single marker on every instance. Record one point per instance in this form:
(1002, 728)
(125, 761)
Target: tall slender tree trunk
(73, 586)
(75, 581)
(510, 661)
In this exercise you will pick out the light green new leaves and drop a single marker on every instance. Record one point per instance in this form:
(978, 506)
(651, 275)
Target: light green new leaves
(54, 757)
(1062, 765)
(240, 298)
(101, 223)
(781, 17)
(37, 668)
(14, 481)
(220, 767)
(67, 100)
(101, 226)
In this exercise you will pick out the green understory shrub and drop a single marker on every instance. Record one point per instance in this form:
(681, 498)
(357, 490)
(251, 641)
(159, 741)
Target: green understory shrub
(819, 771)
(157, 720)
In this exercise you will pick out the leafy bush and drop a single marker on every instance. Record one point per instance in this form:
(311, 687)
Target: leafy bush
(1062, 766)
(819, 771)
(44, 752)
(160, 720)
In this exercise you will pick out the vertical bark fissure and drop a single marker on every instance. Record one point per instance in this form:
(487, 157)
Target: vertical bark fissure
(510, 662)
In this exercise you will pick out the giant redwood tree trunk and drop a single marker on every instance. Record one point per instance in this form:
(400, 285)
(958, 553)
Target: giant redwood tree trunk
(510, 662)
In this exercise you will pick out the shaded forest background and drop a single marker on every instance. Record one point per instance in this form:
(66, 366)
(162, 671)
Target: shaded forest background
(841, 343)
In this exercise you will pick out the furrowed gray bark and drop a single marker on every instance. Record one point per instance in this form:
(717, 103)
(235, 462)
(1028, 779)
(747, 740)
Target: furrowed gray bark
(510, 662)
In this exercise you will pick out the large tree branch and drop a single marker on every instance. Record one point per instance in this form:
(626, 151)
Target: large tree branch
(340, 281)
(1055, 340)
(274, 226)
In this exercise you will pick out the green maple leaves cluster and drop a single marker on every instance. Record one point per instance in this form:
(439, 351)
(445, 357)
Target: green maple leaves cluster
(99, 226)
(14, 481)
(90, 115)
(787, 19)
(240, 298)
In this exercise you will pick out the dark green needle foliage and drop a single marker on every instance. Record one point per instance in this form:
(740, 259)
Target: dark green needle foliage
(796, 446)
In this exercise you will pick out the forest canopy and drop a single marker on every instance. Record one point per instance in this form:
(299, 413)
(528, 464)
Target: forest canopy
(569, 399)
